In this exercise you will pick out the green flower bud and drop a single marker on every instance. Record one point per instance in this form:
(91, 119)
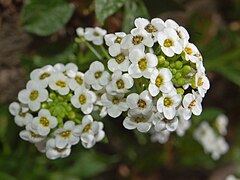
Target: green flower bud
(44, 105)
(178, 75)
(180, 91)
(172, 65)
(166, 64)
(180, 81)
(186, 69)
(161, 60)
(178, 64)
(174, 71)
(52, 95)
(71, 115)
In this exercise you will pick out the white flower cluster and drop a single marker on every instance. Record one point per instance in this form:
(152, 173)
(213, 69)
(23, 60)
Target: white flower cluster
(154, 76)
(48, 110)
(213, 142)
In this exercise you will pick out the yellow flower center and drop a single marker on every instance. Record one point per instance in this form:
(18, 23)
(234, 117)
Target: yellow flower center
(98, 74)
(150, 28)
(188, 50)
(137, 40)
(142, 64)
(159, 81)
(200, 81)
(44, 121)
(65, 134)
(115, 100)
(118, 40)
(86, 128)
(79, 80)
(120, 84)
(61, 83)
(35, 135)
(33, 95)
(96, 33)
(82, 99)
(168, 43)
(141, 104)
(44, 75)
(139, 119)
(192, 104)
(120, 58)
(168, 101)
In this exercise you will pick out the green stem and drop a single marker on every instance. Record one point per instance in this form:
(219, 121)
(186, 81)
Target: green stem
(105, 52)
(92, 49)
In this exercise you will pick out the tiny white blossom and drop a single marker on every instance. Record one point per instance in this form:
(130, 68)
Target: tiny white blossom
(68, 68)
(64, 136)
(191, 53)
(153, 27)
(115, 104)
(54, 152)
(84, 99)
(33, 95)
(183, 125)
(120, 83)
(80, 31)
(21, 116)
(95, 35)
(169, 42)
(142, 122)
(202, 83)
(140, 103)
(44, 122)
(142, 64)
(77, 80)
(96, 76)
(31, 135)
(161, 123)
(160, 81)
(89, 131)
(221, 124)
(220, 148)
(192, 104)
(59, 82)
(161, 136)
(112, 39)
(168, 103)
(42, 75)
(119, 60)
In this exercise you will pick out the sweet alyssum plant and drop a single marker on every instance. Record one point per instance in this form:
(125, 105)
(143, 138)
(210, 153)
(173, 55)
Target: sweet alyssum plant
(154, 77)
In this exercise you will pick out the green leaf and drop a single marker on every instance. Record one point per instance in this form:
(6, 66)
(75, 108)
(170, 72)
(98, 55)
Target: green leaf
(105, 8)
(231, 72)
(44, 17)
(133, 9)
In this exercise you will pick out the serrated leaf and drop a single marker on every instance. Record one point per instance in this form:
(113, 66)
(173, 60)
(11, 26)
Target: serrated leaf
(44, 17)
(106, 8)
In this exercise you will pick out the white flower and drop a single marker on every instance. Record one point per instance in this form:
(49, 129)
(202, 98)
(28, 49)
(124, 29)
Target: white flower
(84, 99)
(192, 104)
(68, 68)
(191, 53)
(169, 42)
(96, 76)
(59, 82)
(54, 152)
(64, 136)
(142, 122)
(44, 122)
(120, 60)
(153, 27)
(231, 177)
(181, 31)
(221, 124)
(183, 125)
(168, 103)
(120, 83)
(42, 75)
(142, 64)
(202, 83)
(112, 39)
(115, 104)
(90, 131)
(33, 95)
(21, 116)
(220, 148)
(140, 103)
(31, 135)
(95, 35)
(80, 31)
(161, 123)
(41, 146)
(77, 80)
(160, 81)
(136, 40)
(161, 137)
